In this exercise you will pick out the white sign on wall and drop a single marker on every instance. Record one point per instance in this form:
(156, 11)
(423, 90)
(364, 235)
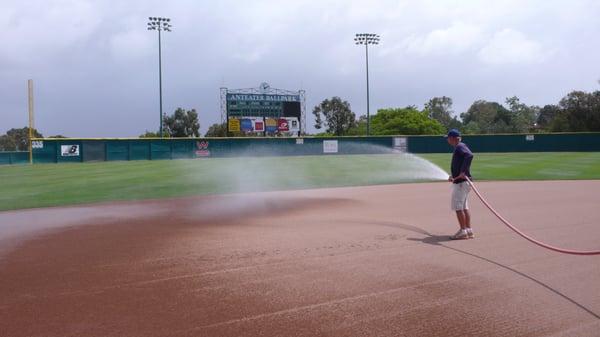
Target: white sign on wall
(530, 138)
(400, 144)
(294, 124)
(300, 141)
(37, 144)
(69, 150)
(330, 146)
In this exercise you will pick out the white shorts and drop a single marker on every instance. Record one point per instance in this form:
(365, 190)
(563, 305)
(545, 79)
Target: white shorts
(460, 194)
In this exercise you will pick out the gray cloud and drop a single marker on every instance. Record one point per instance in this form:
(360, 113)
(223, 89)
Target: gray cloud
(95, 65)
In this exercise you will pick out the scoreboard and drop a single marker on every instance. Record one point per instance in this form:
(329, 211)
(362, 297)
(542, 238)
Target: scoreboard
(262, 105)
(263, 108)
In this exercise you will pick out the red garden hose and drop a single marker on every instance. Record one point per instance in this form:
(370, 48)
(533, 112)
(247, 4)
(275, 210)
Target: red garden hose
(539, 243)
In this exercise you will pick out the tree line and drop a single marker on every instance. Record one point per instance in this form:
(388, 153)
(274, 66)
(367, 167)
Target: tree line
(578, 111)
(182, 123)
(18, 139)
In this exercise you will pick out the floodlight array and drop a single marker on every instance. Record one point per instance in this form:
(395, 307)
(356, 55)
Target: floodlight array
(366, 38)
(157, 23)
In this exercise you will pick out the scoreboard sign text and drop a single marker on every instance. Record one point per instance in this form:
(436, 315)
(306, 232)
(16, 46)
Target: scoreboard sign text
(262, 105)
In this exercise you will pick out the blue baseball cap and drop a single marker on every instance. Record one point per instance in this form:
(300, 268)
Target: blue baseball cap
(453, 133)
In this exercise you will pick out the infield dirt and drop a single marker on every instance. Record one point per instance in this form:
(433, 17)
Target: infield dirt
(358, 261)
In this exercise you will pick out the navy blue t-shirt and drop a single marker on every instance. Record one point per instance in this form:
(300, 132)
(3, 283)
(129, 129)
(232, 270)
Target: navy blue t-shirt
(461, 162)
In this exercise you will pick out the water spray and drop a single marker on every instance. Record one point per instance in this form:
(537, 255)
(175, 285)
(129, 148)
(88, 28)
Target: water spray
(516, 230)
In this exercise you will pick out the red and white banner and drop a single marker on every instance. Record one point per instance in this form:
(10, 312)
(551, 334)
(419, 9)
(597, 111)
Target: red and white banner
(259, 125)
(283, 125)
(202, 149)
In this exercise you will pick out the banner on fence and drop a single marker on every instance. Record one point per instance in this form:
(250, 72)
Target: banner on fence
(69, 150)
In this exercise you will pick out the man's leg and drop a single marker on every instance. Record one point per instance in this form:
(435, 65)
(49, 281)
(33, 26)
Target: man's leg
(467, 217)
(467, 223)
(461, 219)
(457, 205)
(462, 232)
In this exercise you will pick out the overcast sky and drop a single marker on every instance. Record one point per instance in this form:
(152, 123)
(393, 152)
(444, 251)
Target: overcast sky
(95, 65)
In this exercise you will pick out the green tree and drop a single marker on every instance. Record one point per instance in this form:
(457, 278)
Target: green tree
(560, 122)
(471, 128)
(405, 121)
(440, 109)
(217, 130)
(547, 115)
(582, 110)
(150, 134)
(522, 117)
(339, 118)
(490, 117)
(359, 128)
(455, 123)
(182, 123)
(17, 139)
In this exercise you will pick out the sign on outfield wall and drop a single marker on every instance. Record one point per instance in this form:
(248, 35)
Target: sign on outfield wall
(69, 150)
(37, 144)
(202, 149)
(330, 146)
(400, 144)
(234, 125)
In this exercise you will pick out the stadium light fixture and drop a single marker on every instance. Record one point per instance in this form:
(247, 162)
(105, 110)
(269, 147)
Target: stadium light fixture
(367, 39)
(159, 24)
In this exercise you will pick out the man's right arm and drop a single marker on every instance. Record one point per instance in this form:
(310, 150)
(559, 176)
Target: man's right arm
(466, 164)
(467, 158)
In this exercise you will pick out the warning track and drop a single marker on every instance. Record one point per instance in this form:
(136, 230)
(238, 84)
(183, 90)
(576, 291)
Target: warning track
(360, 261)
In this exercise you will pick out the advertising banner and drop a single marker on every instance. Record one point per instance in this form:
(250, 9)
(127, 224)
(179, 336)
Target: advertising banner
(202, 149)
(234, 125)
(330, 146)
(294, 124)
(247, 125)
(259, 125)
(69, 150)
(400, 144)
(283, 125)
(271, 124)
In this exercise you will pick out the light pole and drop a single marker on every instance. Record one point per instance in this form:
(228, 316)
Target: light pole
(367, 39)
(159, 24)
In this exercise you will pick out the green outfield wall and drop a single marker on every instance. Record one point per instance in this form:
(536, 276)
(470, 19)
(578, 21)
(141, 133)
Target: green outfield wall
(14, 157)
(555, 142)
(85, 150)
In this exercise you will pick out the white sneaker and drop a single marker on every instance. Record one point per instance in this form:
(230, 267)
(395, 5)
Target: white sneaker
(460, 235)
(470, 234)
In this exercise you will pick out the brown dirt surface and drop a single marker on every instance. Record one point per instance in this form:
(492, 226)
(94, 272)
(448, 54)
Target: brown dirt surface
(359, 261)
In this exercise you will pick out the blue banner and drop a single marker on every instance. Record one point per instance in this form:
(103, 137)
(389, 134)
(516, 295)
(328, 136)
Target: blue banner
(247, 125)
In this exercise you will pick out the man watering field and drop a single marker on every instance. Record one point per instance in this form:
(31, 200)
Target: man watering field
(460, 170)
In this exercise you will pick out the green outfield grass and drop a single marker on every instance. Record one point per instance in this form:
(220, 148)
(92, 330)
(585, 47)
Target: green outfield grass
(529, 166)
(24, 186)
